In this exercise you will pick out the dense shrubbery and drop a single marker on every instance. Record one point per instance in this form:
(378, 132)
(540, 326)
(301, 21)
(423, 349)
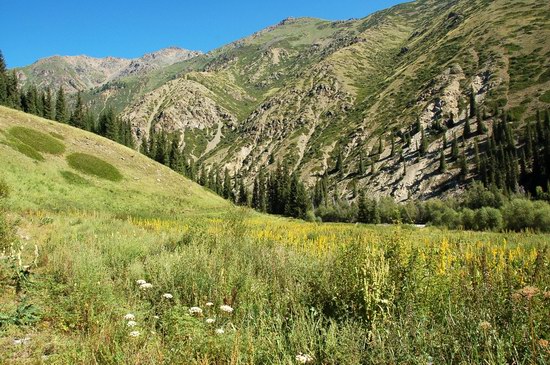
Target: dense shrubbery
(479, 209)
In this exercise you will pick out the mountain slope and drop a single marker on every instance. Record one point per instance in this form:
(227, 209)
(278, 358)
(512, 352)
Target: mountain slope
(82, 73)
(40, 163)
(306, 91)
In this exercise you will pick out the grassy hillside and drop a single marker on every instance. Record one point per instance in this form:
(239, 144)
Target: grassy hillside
(51, 166)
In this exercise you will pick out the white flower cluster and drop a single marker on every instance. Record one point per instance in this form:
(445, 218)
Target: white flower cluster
(304, 358)
(131, 323)
(167, 296)
(220, 331)
(226, 308)
(210, 320)
(209, 304)
(195, 311)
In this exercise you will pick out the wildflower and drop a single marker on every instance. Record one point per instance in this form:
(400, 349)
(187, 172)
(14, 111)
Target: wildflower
(132, 323)
(195, 310)
(146, 286)
(303, 358)
(156, 317)
(529, 291)
(134, 334)
(543, 343)
(167, 296)
(220, 331)
(129, 317)
(140, 282)
(226, 309)
(485, 326)
(210, 320)
(209, 304)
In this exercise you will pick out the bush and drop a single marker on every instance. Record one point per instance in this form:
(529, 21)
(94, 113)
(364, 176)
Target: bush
(488, 218)
(92, 165)
(519, 214)
(468, 219)
(477, 196)
(39, 141)
(541, 220)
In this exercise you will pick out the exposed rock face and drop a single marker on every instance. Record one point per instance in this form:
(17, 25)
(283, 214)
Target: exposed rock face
(305, 90)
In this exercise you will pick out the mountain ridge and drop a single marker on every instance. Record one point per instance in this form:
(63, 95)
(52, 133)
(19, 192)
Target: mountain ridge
(308, 92)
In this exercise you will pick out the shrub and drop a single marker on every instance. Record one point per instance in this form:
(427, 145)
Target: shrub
(41, 142)
(92, 165)
(488, 218)
(519, 214)
(468, 218)
(541, 220)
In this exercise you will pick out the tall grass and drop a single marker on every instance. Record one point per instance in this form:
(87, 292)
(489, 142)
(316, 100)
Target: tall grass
(339, 293)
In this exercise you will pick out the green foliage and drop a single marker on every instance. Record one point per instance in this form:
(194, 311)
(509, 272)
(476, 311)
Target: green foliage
(92, 165)
(73, 178)
(39, 141)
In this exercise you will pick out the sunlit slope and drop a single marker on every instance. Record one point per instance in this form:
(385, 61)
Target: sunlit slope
(52, 166)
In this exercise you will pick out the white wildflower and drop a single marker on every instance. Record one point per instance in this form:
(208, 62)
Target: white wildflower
(146, 286)
(167, 296)
(132, 323)
(220, 331)
(129, 317)
(210, 320)
(134, 334)
(303, 358)
(209, 304)
(156, 317)
(226, 308)
(140, 282)
(195, 310)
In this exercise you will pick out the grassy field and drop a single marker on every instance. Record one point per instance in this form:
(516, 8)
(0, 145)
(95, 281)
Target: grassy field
(229, 286)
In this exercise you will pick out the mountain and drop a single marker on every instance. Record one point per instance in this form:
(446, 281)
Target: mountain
(49, 164)
(76, 73)
(360, 92)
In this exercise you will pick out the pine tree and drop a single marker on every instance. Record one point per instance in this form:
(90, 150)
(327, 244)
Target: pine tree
(77, 117)
(363, 209)
(442, 162)
(473, 107)
(454, 149)
(61, 114)
(361, 170)
(463, 164)
(226, 184)
(423, 144)
(467, 129)
(3, 81)
(47, 104)
(481, 127)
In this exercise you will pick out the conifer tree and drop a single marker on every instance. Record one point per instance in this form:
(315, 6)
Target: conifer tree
(61, 114)
(47, 104)
(423, 144)
(77, 116)
(467, 129)
(3, 81)
(454, 149)
(442, 162)
(226, 184)
(463, 164)
(473, 107)
(481, 127)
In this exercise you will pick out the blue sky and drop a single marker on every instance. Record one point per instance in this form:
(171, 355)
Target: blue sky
(33, 29)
